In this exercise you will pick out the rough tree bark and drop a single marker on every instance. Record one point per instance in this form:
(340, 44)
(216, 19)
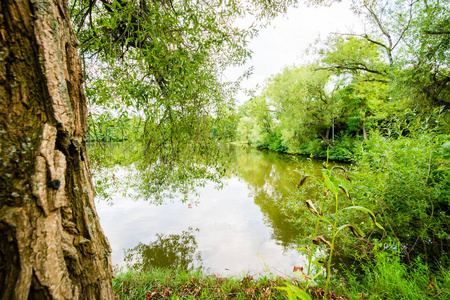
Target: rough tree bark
(51, 243)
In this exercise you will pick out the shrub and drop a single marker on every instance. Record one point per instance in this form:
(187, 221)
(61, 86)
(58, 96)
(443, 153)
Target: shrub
(406, 180)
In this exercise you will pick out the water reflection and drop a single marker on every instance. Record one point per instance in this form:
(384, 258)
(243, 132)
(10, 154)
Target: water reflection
(143, 176)
(236, 229)
(175, 251)
(271, 177)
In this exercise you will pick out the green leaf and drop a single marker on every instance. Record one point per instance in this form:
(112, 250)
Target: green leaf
(355, 230)
(316, 212)
(345, 172)
(295, 292)
(346, 193)
(313, 209)
(318, 273)
(319, 263)
(330, 181)
(304, 249)
(370, 213)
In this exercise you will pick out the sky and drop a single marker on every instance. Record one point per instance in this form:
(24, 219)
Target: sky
(283, 42)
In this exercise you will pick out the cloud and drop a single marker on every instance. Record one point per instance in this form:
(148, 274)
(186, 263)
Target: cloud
(283, 42)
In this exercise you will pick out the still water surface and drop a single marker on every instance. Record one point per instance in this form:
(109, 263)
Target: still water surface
(232, 231)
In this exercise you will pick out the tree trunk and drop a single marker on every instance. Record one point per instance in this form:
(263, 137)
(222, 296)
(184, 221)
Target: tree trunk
(51, 243)
(364, 125)
(326, 138)
(363, 117)
(364, 129)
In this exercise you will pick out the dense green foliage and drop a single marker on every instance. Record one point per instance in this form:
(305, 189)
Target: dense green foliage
(405, 183)
(105, 127)
(395, 71)
(153, 76)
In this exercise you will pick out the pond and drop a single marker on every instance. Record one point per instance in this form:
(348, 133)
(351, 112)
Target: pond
(235, 230)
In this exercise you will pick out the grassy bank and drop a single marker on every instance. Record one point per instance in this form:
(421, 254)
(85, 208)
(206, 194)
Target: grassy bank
(384, 278)
(164, 283)
(180, 284)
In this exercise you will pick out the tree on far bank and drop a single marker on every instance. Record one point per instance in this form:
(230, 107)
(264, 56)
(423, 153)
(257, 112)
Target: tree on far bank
(306, 104)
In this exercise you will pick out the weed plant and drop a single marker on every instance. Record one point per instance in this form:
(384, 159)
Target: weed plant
(335, 187)
(403, 180)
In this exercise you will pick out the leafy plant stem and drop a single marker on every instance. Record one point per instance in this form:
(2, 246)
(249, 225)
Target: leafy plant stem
(311, 253)
(332, 246)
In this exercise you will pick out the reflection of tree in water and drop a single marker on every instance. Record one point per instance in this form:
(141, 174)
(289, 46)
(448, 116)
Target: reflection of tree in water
(168, 251)
(271, 176)
(126, 168)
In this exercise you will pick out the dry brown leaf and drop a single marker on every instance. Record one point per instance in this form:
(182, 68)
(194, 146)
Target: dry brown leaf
(302, 181)
(298, 269)
(320, 239)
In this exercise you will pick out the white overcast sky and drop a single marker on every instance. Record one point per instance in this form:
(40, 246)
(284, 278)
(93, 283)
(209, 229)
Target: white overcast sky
(283, 42)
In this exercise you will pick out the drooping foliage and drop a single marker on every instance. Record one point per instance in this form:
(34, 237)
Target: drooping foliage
(161, 63)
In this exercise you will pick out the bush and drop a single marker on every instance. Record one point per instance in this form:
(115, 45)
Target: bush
(275, 143)
(343, 148)
(406, 180)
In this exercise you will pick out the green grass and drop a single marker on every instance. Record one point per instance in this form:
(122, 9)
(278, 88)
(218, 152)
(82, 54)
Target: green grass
(180, 284)
(388, 278)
